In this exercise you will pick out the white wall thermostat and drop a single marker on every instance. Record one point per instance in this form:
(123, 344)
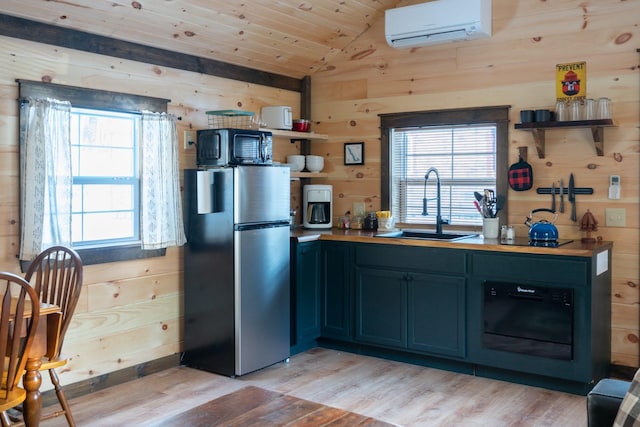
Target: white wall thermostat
(614, 187)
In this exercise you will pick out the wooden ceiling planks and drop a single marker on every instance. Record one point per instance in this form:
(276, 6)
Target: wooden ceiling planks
(34, 31)
(288, 37)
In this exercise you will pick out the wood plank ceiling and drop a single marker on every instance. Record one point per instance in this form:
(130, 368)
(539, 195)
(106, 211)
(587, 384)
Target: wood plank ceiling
(293, 38)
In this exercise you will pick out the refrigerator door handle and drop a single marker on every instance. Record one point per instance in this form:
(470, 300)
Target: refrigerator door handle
(205, 196)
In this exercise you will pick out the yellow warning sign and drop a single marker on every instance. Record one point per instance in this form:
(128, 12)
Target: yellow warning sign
(571, 81)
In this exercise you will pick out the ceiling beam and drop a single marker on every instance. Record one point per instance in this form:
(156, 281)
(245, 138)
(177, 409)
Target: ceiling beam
(25, 29)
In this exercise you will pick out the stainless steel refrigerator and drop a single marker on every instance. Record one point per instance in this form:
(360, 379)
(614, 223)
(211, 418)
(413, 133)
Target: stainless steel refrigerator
(236, 268)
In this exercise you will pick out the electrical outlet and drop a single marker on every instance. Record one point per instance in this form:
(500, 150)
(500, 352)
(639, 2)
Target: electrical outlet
(615, 217)
(189, 139)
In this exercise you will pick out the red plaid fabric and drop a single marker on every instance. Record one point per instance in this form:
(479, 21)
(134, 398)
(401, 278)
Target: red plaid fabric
(521, 176)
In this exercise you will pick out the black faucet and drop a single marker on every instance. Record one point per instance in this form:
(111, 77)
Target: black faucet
(439, 220)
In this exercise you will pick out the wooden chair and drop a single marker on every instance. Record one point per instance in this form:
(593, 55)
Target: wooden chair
(56, 275)
(19, 315)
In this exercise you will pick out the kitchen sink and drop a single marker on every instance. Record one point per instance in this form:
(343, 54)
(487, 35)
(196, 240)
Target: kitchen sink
(426, 235)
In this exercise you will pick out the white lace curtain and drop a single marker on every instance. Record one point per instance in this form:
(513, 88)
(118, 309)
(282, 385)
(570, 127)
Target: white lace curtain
(46, 179)
(161, 222)
(45, 176)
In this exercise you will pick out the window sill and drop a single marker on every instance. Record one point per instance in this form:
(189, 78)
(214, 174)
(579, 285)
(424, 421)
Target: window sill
(103, 255)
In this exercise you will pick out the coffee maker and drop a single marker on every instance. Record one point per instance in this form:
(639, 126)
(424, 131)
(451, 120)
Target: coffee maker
(317, 206)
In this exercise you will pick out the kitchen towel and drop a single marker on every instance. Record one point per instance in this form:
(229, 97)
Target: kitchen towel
(520, 175)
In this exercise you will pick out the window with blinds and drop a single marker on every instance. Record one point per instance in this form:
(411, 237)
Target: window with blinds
(465, 157)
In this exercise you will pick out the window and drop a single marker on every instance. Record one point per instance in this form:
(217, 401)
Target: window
(465, 146)
(465, 158)
(105, 205)
(105, 129)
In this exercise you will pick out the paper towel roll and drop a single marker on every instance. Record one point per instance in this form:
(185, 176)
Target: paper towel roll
(205, 192)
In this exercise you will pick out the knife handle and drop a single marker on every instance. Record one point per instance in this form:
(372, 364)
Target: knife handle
(573, 211)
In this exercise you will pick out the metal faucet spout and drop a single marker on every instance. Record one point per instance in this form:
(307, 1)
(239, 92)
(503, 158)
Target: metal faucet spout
(439, 220)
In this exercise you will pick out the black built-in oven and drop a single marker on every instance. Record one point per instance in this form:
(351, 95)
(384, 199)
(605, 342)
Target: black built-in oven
(534, 320)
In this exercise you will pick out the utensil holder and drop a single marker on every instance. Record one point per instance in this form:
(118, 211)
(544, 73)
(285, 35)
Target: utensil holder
(490, 228)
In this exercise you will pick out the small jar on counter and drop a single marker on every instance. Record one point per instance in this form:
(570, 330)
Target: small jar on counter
(507, 232)
(356, 222)
(371, 222)
(344, 222)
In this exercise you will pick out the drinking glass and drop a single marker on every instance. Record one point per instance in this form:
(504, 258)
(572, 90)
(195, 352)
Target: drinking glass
(604, 108)
(589, 112)
(561, 111)
(575, 110)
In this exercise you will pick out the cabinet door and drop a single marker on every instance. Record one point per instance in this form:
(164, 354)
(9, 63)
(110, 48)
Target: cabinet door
(381, 307)
(436, 314)
(336, 296)
(306, 288)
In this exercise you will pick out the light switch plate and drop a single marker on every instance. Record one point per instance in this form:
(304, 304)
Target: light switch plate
(189, 139)
(616, 217)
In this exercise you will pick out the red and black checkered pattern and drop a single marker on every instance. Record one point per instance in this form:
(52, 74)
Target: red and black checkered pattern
(521, 176)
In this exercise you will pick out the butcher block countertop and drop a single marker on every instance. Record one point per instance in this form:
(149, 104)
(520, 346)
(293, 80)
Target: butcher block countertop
(519, 245)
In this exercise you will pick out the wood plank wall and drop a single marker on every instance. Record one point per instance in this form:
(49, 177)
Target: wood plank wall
(516, 67)
(129, 312)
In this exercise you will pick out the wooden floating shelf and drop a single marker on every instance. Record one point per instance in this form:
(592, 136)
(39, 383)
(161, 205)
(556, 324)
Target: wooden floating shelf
(309, 175)
(296, 136)
(538, 131)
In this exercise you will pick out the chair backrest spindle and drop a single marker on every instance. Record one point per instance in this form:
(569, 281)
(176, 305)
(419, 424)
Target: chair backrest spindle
(56, 275)
(19, 315)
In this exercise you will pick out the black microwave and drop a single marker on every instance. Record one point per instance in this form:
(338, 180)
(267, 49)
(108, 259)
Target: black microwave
(222, 147)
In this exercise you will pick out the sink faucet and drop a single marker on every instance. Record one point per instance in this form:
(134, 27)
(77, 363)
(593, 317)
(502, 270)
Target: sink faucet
(439, 220)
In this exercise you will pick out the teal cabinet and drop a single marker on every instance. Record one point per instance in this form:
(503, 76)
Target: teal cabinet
(336, 312)
(426, 304)
(416, 302)
(381, 307)
(589, 280)
(306, 275)
(436, 314)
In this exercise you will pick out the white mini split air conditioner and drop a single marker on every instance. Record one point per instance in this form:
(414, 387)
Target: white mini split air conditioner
(438, 21)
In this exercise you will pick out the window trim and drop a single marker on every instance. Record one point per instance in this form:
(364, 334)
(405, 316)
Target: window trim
(498, 115)
(80, 97)
(109, 101)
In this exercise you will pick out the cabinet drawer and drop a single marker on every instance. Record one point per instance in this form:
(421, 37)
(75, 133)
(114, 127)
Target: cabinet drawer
(531, 268)
(412, 258)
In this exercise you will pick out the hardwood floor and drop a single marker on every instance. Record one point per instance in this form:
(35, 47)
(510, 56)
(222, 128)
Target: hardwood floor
(255, 406)
(393, 392)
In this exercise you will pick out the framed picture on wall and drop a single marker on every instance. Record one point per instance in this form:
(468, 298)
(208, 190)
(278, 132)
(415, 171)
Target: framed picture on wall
(354, 153)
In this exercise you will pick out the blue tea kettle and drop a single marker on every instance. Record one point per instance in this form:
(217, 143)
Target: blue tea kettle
(542, 230)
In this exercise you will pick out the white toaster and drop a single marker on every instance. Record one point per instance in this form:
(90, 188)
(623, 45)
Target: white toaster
(277, 117)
